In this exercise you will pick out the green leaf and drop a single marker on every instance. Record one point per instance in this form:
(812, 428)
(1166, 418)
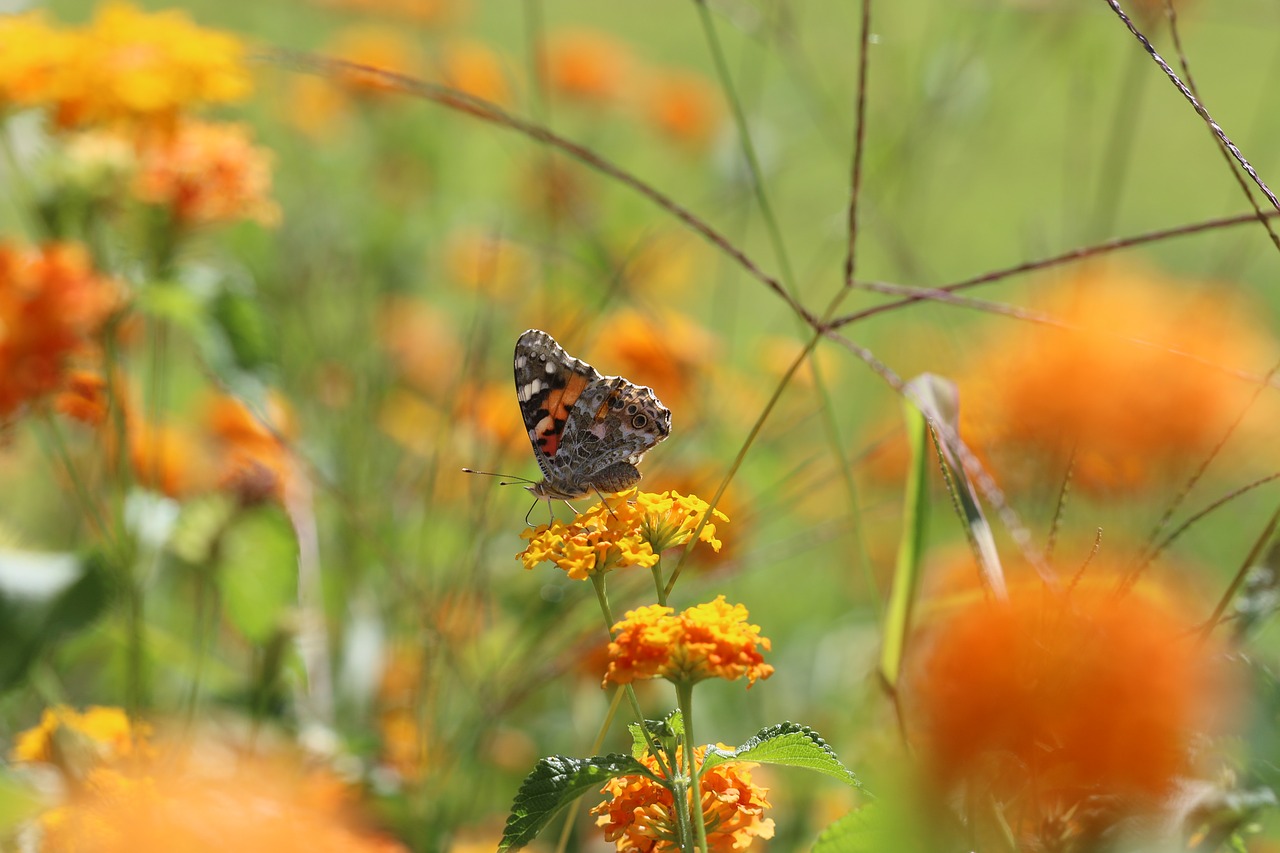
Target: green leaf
(44, 598)
(906, 573)
(200, 525)
(877, 827)
(664, 731)
(790, 745)
(554, 783)
(257, 572)
(244, 328)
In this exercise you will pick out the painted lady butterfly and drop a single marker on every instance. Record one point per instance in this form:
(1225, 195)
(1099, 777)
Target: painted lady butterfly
(588, 431)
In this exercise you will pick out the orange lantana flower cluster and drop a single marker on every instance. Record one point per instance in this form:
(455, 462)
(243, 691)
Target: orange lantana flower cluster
(52, 303)
(712, 640)
(206, 173)
(126, 65)
(640, 813)
(633, 530)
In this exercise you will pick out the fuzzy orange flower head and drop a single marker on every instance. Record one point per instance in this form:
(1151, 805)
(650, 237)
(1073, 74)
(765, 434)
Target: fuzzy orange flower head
(668, 352)
(586, 65)
(144, 68)
(210, 797)
(631, 530)
(712, 640)
(685, 108)
(255, 462)
(640, 813)
(383, 48)
(1139, 387)
(1047, 702)
(52, 303)
(205, 173)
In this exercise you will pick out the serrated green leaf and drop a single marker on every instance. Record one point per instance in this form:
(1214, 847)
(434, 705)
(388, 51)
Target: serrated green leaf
(554, 783)
(789, 745)
(257, 572)
(664, 731)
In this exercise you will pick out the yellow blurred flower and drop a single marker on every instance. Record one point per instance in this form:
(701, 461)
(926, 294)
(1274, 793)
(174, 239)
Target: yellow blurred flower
(108, 730)
(711, 640)
(206, 173)
(640, 813)
(33, 56)
(1119, 390)
(685, 107)
(633, 529)
(126, 65)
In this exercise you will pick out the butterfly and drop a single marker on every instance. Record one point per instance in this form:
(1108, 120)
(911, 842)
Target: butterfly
(588, 431)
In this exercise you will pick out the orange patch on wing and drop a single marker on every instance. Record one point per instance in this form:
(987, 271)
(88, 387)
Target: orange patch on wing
(560, 400)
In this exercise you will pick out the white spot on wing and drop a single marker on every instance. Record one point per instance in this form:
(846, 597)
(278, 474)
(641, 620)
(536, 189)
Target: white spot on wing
(521, 361)
(551, 368)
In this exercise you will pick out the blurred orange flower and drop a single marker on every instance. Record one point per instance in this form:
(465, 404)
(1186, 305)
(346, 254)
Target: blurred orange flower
(420, 340)
(84, 398)
(52, 303)
(487, 262)
(586, 65)
(685, 107)
(712, 640)
(428, 12)
(1115, 393)
(208, 800)
(666, 350)
(126, 65)
(1047, 701)
(640, 813)
(376, 47)
(255, 461)
(205, 174)
(169, 459)
(476, 69)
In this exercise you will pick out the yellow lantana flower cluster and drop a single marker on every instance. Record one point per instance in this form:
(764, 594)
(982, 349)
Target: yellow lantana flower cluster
(632, 530)
(640, 813)
(125, 65)
(108, 730)
(712, 640)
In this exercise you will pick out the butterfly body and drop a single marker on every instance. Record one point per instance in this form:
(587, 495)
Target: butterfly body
(588, 431)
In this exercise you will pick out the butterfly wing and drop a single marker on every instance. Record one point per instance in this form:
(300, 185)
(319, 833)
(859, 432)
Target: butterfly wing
(614, 421)
(549, 384)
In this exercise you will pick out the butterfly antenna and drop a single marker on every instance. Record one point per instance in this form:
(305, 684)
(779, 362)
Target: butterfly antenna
(514, 480)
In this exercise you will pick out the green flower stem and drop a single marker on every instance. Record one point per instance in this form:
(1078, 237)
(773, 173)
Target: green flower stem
(680, 794)
(598, 583)
(50, 439)
(656, 571)
(684, 700)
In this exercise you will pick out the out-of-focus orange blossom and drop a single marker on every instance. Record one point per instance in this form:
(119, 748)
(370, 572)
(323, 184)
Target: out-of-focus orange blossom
(665, 350)
(550, 186)
(685, 107)
(207, 801)
(586, 65)
(640, 813)
(255, 462)
(1052, 700)
(379, 47)
(84, 398)
(52, 304)
(125, 66)
(473, 67)
(488, 263)
(425, 12)
(206, 173)
(421, 342)
(1132, 414)
(659, 263)
(170, 458)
